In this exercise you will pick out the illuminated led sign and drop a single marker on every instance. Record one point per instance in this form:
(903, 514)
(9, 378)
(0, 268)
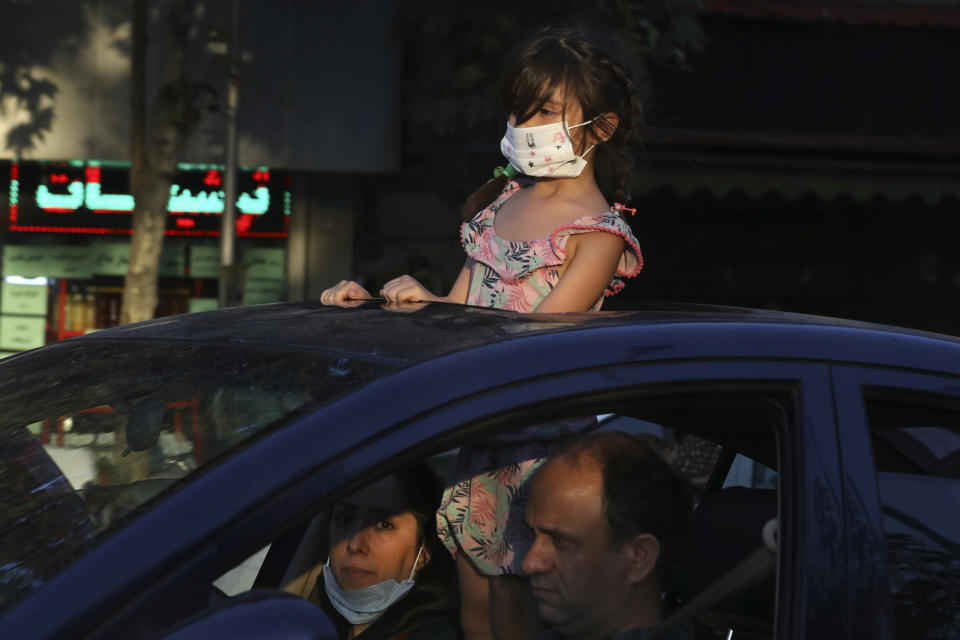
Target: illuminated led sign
(86, 198)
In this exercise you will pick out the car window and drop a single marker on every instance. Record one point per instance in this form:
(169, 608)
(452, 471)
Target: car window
(694, 456)
(739, 431)
(745, 472)
(689, 431)
(916, 443)
(241, 578)
(92, 432)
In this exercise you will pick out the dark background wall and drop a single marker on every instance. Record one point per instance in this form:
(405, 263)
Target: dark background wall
(849, 205)
(816, 78)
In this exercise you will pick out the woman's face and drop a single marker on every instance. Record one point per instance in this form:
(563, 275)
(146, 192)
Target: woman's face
(373, 537)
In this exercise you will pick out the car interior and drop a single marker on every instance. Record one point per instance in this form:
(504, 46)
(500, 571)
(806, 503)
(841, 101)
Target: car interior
(725, 577)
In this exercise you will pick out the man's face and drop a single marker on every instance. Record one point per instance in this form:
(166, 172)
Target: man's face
(579, 581)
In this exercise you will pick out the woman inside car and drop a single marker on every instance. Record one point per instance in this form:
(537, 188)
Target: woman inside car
(386, 577)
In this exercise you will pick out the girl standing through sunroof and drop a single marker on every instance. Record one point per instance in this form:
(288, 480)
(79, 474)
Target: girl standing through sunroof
(545, 240)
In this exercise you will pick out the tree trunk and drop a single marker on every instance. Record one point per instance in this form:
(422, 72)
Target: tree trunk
(154, 149)
(149, 220)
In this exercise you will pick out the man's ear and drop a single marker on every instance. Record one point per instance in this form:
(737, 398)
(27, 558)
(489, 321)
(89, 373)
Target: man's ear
(644, 550)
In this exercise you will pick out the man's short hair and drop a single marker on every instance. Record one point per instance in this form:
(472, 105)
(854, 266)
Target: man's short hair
(642, 493)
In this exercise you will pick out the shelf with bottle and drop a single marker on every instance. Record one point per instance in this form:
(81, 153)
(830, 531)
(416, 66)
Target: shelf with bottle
(71, 311)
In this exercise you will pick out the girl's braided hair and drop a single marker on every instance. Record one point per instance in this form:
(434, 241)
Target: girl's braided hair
(592, 67)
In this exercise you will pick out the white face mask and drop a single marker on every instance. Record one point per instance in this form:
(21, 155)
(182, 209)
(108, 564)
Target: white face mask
(544, 151)
(367, 604)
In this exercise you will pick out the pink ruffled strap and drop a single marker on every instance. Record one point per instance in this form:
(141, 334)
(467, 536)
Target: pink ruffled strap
(631, 260)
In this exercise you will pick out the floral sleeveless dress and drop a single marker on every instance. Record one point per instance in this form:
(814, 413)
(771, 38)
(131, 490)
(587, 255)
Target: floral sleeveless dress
(517, 276)
(482, 513)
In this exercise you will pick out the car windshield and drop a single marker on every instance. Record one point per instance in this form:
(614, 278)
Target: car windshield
(92, 431)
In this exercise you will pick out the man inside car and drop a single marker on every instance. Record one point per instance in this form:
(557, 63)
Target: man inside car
(607, 514)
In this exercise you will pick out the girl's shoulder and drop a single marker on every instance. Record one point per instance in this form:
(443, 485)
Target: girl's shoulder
(610, 221)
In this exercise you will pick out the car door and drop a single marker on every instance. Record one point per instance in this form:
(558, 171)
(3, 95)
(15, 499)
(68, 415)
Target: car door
(900, 453)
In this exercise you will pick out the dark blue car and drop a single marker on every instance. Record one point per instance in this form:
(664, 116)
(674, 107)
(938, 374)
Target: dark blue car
(148, 471)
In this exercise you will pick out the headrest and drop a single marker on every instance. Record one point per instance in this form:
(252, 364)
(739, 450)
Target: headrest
(727, 526)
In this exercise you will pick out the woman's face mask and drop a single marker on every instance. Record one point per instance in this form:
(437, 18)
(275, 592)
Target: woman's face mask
(360, 606)
(544, 150)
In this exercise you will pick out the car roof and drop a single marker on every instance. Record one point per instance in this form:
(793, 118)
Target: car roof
(415, 334)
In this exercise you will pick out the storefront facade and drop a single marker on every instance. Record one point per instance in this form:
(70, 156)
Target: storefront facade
(66, 242)
(306, 129)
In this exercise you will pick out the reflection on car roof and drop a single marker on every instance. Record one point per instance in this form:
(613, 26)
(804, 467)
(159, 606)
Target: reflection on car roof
(427, 331)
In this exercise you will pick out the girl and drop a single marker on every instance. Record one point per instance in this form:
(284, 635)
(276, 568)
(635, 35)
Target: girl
(547, 242)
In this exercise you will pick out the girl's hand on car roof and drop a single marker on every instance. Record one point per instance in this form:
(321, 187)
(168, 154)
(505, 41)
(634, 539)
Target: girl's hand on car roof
(407, 289)
(343, 291)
